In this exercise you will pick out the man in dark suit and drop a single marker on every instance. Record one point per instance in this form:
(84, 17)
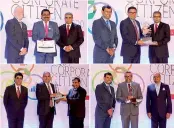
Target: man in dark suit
(45, 30)
(161, 36)
(71, 37)
(131, 35)
(17, 38)
(76, 105)
(45, 93)
(105, 37)
(158, 102)
(15, 101)
(105, 97)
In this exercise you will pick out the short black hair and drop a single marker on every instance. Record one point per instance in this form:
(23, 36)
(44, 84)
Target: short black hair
(156, 12)
(76, 78)
(128, 72)
(106, 6)
(18, 74)
(45, 10)
(132, 7)
(108, 73)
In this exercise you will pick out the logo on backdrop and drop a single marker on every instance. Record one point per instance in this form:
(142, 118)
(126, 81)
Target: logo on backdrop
(62, 76)
(92, 15)
(1, 20)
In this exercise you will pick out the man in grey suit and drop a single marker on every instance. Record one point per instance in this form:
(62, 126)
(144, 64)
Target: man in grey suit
(130, 96)
(17, 38)
(105, 96)
(45, 30)
(105, 37)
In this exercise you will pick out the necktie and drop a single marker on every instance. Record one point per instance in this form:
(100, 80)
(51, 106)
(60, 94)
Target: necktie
(20, 24)
(67, 29)
(136, 30)
(49, 90)
(156, 27)
(108, 86)
(18, 92)
(130, 88)
(46, 29)
(108, 25)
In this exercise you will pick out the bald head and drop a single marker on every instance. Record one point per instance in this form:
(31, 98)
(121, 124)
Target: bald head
(157, 78)
(18, 13)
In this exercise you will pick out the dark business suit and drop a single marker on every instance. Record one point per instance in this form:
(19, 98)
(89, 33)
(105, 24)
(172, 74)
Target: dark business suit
(158, 105)
(15, 107)
(17, 38)
(105, 101)
(160, 53)
(129, 50)
(38, 33)
(45, 112)
(103, 38)
(75, 39)
(76, 107)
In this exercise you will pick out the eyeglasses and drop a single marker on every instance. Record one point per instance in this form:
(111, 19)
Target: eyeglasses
(68, 17)
(132, 12)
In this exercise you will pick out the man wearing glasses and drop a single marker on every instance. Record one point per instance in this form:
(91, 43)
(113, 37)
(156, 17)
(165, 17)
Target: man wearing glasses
(71, 37)
(160, 36)
(15, 101)
(130, 96)
(45, 30)
(131, 35)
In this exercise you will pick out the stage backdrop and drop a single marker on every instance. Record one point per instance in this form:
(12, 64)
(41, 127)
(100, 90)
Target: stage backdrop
(62, 76)
(145, 11)
(32, 13)
(142, 74)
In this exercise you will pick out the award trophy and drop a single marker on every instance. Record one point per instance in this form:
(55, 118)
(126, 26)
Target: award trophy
(59, 95)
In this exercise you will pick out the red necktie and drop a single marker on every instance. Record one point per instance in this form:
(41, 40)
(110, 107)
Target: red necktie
(136, 30)
(156, 27)
(67, 29)
(46, 29)
(49, 90)
(18, 92)
(130, 89)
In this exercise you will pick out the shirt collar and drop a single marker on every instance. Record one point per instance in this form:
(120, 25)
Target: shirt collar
(47, 23)
(16, 86)
(105, 19)
(69, 25)
(157, 23)
(158, 85)
(107, 84)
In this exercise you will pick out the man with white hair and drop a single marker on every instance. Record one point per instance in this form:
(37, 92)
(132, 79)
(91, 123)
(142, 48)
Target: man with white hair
(17, 38)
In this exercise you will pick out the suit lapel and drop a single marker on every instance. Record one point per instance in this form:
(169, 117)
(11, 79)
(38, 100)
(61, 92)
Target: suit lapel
(104, 23)
(14, 91)
(64, 30)
(71, 29)
(160, 89)
(21, 93)
(42, 27)
(107, 88)
(154, 89)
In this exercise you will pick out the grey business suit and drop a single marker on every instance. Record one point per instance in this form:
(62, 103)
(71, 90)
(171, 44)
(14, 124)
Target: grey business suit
(103, 38)
(38, 33)
(128, 111)
(105, 101)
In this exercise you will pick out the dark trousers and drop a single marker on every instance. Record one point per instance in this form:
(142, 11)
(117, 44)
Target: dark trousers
(158, 122)
(102, 122)
(158, 60)
(15, 123)
(18, 59)
(76, 122)
(68, 59)
(46, 121)
(44, 58)
(128, 59)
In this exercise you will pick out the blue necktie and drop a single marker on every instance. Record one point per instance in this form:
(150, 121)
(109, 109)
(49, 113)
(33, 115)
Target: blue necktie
(107, 23)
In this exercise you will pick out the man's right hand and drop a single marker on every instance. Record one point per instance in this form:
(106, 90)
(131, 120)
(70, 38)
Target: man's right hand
(110, 112)
(140, 42)
(67, 49)
(149, 115)
(53, 95)
(129, 97)
(110, 51)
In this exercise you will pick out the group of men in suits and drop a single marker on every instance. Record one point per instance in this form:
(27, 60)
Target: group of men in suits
(158, 102)
(68, 36)
(105, 38)
(16, 97)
